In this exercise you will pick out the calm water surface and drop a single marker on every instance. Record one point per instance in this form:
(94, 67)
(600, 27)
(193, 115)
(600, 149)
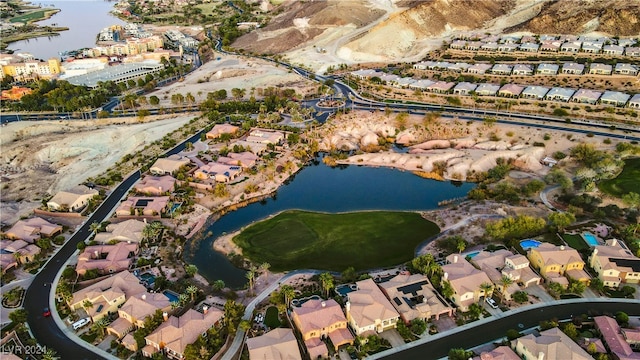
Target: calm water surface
(322, 188)
(84, 19)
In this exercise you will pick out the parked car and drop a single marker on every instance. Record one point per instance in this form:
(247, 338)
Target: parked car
(46, 312)
(491, 303)
(80, 323)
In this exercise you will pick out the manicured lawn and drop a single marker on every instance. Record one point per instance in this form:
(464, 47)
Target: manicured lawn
(626, 182)
(575, 241)
(36, 15)
(271, 317)
(307, 240)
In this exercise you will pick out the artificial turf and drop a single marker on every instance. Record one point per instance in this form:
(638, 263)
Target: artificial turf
(307, 240)
(628, 180)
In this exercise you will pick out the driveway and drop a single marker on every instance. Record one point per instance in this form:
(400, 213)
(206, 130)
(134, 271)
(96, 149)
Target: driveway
(393, 336)
(540, 292)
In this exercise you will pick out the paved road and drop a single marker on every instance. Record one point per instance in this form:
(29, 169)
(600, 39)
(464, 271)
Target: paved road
(39, 295)
(495, 328)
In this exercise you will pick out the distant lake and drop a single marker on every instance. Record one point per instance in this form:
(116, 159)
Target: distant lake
(84, 19)
(318, 187)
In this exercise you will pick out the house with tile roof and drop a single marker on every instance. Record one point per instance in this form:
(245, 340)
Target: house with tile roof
(489, 46)
(368, 310)
(126, 231)
(571, 46)
(559, 94)
(252, 147)
(155, 185)
(107, 295)
(634, 102)
(503, 262)
(510, 47)
(265, 137)
(572, 68)
(534, 92)
(612, 50)
(510, 90)
(465, 280)
(529, 47)
(414, 297)
(549, 344)
(499, 353)
(318, 319)
(458, 44)
(219, 172)
(245, 159)
(169, 165)
(558, 263)
(613, 337)
(219, 129)
(32, 229)
(133, 313)
(547, 69)
(615, 264)
(440, 87)
(501, 69)
(277, 344)
(522, 69)
(106, 259)
(369, 73)
(74, 199)
(478, 68)
(586, 96)
(632, 51)
(175, 333)
(615, 98)
(487, 89)
(143, 206)
(625, 69)
(600, 69)
(550, 45)
(464, 88)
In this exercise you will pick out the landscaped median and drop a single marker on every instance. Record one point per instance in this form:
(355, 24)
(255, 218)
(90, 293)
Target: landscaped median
(297, 239)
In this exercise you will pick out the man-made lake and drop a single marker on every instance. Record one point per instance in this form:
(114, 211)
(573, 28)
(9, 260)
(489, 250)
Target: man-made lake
(84, 19)
(322, 188)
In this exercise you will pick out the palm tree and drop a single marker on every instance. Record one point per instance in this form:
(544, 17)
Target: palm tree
(326, 281)
(94, 227)
(50, 354)
(487, 289)
(461, 245)
(250, 275)
(100, 325)
(264, 267)
(175, 305)
(192, 290)
(288, 292)
(87, 304)
(505, 281)
(447, 290)
(182, 298)
(218, 285)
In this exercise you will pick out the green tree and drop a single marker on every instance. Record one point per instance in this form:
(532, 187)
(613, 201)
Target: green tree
(570, 330)
(327, 282)
(460, 354)
(622, 318)
(447, 290)
(418, 326)
(192, 290)
(520, 297)
(487, 289)
(100, 325)
(18, 316)
(513, 334)
(191, 270)
(401, 120)
(218, 285)
(349, 274)
(288, 292)
(560, 220)
(505, 281)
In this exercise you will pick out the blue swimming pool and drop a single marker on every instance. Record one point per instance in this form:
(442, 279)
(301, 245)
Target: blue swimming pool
(345, 289)
(529, 243)
(473, 254)
(590, 239)
(172, 296)
(148, 279)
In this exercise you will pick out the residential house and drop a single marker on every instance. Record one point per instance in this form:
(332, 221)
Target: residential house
(499, 353)
(615, 264)
(489, 46)
(133, 313)
(465, 281)
(510, 47)
(71, 200)
(529, 47)
(626, 69)
(510, 90)
(155, 185)
(440, 87)
(522, 69)
(478, 68)
(547, 37)
(220, 129)
(559, 94)
(252, 147)
(390, 79)
(219, 172)
(501, 69)
(32, 229)
(626, 42)
(528, 39)
(277, 344)
(612, 50)
(613, 336)
(474, 45)
(549, 344)
(169, 165)
(632, 51)
(175, 333)
(414, 297)
(27, 253)
(558, 263)
(143, 206)
(107, 259)
(571, 46)
(534, 92)
(600, 69)
(405, 82)
(244, 159)
(458, 67)
(265, 137)
(369, 73)
(458, 44)
(591, 47)
(547, 69)
(7, 262)
(615, 98)
(107, 295)
(464, 88)
(572, 68)
(509, 39)
(586, 96)
(550, 45)
(422, 65)
(317, 319)
(368, 310)
(634, 102)
(487, 89)
(504, 263)
(127, 231)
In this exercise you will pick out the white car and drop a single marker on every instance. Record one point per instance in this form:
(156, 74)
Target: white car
(80, 323)
(491, 303)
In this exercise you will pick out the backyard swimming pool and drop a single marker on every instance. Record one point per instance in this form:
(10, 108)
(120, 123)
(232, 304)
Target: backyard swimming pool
(344, 289)
(529, 243)
(473, 254)
(590, 239)
(172, 296)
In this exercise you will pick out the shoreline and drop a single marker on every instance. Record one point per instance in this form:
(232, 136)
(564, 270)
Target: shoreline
(39, 32)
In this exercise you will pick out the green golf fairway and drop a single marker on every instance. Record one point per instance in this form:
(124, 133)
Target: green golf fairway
(308, 240)
(628, 180)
